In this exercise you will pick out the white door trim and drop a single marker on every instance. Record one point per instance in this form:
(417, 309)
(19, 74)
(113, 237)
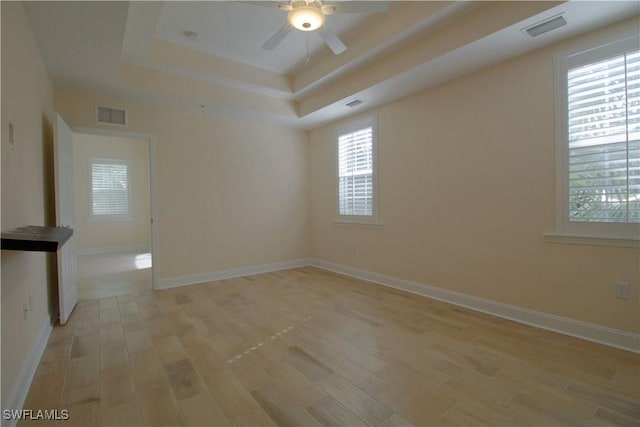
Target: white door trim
(152, 185)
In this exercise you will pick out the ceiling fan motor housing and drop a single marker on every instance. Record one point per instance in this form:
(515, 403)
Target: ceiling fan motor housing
(306, 15)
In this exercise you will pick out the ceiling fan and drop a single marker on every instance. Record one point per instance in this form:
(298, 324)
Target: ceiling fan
(310, 15)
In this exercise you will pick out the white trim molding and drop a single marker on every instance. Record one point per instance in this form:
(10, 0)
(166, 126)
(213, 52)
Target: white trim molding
(113, 250)
(232, 273)
(588, 331)
(20, 389)
(570, 239)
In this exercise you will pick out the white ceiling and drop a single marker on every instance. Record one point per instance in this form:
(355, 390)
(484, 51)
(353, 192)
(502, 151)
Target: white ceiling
(236, 30)
(138, 51)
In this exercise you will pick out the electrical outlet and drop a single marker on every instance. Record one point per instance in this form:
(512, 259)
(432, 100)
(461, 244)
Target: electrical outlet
(622, 290)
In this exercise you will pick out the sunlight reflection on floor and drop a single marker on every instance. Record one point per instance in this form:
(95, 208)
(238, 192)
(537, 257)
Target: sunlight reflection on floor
(143, 261)
(105, 275)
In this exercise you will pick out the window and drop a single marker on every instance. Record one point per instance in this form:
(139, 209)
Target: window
(599, 143)
(356, 148)
(110, 194)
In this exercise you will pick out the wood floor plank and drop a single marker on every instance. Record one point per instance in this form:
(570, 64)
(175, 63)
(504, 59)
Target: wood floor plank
(467, 360)
(307, 364)
(282, 409)
(84, 345)
(158, 326)
(368, 381)
(113, 354)
(249, 371)
(169, 349)
(111, 333)
(159, 406)
(184, 379)
(236, 402)
(55, 358)
(138, 340)
(204, 357)
(82, 415)
(418, 414)
(124, 415)
(202, 410)
(301, 388)
(331, 413)
(46, 391)
(623, 405)
(357, 401)
(80, 395)
(472, 414)
(147, 371)
(542, 410)
(475, 404)
(116, 385)
(395, 420)
(109, 316)
(615, 418)
(82, 371)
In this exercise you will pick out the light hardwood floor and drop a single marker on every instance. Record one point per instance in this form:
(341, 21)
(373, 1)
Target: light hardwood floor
(113, 274)
(307, 347)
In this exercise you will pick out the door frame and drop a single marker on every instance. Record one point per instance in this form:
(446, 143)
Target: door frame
(153, 202)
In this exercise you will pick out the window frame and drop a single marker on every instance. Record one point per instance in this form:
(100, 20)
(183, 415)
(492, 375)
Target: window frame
(564, 61)
(352, 127)
(128, 216)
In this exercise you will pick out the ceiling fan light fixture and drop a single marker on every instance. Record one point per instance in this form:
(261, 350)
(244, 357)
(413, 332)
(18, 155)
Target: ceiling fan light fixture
(306, 18)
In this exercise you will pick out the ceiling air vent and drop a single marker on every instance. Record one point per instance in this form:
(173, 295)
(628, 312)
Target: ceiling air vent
(545, 26)
(353, 103)
(114, 116)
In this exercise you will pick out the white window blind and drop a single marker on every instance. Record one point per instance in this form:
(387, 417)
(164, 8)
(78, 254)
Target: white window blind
(355, 172)
(603, 103)
(109, 188)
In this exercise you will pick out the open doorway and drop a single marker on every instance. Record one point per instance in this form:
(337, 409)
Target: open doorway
(112, 209)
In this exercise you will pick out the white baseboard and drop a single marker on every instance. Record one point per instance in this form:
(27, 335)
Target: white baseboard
(21, 387)
(231, 273)
(113, 250)
(588, 331)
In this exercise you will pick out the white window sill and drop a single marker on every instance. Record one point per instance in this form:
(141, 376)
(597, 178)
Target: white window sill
(111, 218)
(358, 223)
(569, 239)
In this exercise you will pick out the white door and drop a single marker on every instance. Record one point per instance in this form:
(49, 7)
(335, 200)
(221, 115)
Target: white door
(63, 170)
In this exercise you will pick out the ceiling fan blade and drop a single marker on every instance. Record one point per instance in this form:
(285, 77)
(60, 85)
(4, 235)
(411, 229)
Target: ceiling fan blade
(275, 40)
(355, 7)
(334, 43)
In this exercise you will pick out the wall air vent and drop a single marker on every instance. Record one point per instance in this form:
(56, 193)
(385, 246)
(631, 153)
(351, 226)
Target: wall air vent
(353, 103)
(545, 26)
(113, 116)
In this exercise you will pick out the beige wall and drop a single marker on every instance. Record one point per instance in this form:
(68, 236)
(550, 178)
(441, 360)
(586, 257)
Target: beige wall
(27, 99)
(102, 234)
(231, 193)
(467, 191)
